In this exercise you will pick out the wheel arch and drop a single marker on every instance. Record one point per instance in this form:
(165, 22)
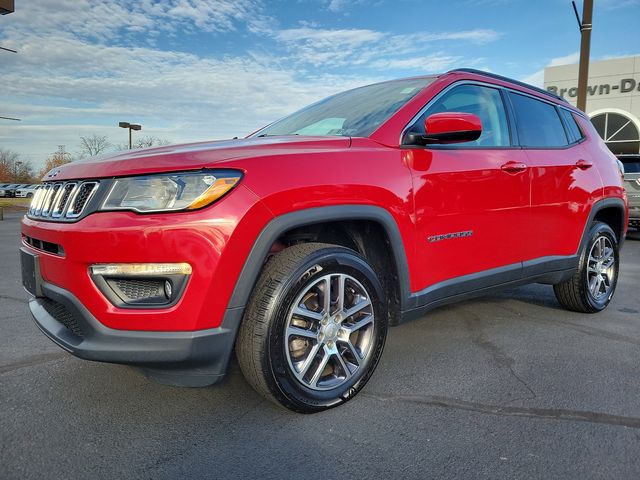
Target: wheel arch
(278, 226)
(611, 211)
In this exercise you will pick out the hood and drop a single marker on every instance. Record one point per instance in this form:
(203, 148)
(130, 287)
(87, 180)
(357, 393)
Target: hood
(192, 156)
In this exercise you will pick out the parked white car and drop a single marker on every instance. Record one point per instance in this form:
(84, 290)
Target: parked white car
(26, 191)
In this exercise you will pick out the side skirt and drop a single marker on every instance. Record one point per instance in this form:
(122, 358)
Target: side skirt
(547, 270)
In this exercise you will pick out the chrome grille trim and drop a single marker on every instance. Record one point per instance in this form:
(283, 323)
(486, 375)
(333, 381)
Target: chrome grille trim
(35, 199)
(61, 203)
(52, 194)
(44, 191)
(62, 200)
(77, 202)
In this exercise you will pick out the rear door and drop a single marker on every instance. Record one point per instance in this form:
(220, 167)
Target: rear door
(563, 177)
(471, 199)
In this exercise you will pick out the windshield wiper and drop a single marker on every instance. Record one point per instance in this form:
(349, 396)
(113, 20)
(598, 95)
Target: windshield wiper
(272, 135)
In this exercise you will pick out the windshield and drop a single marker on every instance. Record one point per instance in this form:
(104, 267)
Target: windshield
(354, 113)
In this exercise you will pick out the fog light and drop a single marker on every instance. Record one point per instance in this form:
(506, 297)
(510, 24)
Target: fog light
(140, 269)
(141, 285)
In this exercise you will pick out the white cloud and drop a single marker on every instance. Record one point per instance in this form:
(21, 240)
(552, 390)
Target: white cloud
(477, 36)
(337, 47)
(537, 78)
(83, 65)
(428, 64)
(340, 47)
(182, 96)
(115, 20)
(343, 6)
(566, 60)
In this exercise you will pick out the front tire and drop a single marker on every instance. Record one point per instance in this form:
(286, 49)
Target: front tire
(592, 287)
(314, 328)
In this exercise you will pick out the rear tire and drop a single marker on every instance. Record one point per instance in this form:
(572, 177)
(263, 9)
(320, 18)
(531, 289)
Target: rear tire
(592, 287)
(305, 350)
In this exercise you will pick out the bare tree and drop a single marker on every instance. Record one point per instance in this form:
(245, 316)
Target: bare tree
(93, 145)
(145, 142)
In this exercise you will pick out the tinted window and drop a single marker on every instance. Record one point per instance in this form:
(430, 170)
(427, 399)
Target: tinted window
(538, 123)
(631, 163)
(484, 102)
(355, 113)
(572, 127)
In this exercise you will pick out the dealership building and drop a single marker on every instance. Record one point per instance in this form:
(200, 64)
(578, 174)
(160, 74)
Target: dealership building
(613, 98)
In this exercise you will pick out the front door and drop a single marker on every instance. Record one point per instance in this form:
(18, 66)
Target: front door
(471, 199)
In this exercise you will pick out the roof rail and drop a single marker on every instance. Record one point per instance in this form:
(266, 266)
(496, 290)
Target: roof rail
(511, 80)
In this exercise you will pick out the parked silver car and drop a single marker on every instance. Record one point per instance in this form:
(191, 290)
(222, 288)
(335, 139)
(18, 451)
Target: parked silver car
(9, 189)
(632, 184)
(26, 191)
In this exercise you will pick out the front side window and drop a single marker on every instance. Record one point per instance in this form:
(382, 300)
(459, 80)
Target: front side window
(484, 102)
(539, 125)
(354, 113)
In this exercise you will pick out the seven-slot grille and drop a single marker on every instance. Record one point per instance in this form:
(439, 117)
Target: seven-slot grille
(62, 200)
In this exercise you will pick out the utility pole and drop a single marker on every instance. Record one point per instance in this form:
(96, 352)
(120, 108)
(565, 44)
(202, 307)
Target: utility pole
(62, 153)
(586, 26)
(7, 7)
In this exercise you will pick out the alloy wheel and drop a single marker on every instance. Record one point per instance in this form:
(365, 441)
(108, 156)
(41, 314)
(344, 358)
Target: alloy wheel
(329, 331)
(601, 268)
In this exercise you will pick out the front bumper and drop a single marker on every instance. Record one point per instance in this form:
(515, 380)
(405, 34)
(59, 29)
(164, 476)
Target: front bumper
(179, 358)
(214, 241)
(187, 343)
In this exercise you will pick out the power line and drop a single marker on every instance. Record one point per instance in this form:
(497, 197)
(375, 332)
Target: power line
(10, 118)
(8, 50)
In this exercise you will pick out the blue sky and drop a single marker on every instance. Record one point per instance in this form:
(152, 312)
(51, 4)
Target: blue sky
(195, 70)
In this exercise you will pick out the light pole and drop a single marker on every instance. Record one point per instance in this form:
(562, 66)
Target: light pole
(130, 126)
(15, 170)
(585, 46)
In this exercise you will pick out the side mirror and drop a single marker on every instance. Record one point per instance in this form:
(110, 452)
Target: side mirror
(447, 127)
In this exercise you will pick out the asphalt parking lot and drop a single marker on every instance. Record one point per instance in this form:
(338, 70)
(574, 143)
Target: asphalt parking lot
(507, 386)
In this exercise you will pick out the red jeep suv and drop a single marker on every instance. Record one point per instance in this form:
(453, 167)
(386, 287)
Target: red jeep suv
(300, 244)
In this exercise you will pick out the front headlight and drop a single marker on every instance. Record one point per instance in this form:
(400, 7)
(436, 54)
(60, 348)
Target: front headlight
(170, 192)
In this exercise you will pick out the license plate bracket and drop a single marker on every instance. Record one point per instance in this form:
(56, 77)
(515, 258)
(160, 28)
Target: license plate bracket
(31, 278)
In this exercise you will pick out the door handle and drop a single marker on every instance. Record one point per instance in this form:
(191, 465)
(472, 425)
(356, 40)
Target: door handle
(584, 164)
(513, 167)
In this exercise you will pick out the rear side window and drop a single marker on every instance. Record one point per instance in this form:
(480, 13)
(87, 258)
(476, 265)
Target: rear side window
(572, 127)
(539, 124)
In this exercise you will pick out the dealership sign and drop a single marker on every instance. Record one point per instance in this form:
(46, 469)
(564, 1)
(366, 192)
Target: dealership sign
(626, 85)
